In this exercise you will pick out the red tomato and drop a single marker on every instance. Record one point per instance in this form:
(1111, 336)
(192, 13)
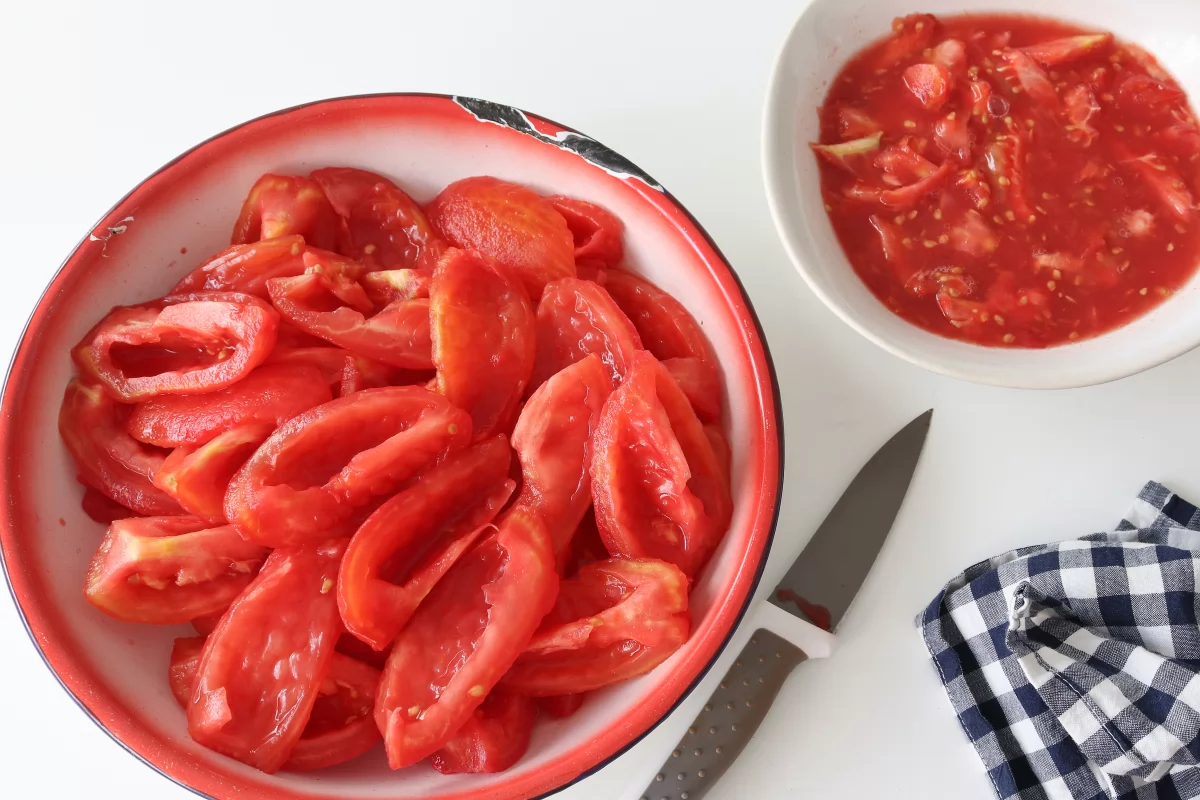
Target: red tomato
(382, 226)
(388, 286)
(340, 727)
(929, 84)
(350, 645)
(286, 205)
(464, 637)
(720, 446)
(483, 338)
(269, 394)
(618, 619)
(101, 509)
(586, 547)
(509, 223)
(560, 706)
(328, 303)
(596, 232)
(656, 482)
(493, 739)
(336, 363)
(192, 344)
(911, 35)
(1060, 51)
(592, 271)
(197, 476)
(553, 440)
(109, 460)
(699, 383)
(666, 327)
(322, 472)
(409, 543)
(576, 317)
(262, 668)
(207, 623)
(168, 570)
(246, 268)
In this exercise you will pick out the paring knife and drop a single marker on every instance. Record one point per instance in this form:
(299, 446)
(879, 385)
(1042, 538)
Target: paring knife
(819, 586)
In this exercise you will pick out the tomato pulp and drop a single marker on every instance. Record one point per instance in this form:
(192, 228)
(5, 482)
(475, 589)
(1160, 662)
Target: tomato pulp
(1011, 181)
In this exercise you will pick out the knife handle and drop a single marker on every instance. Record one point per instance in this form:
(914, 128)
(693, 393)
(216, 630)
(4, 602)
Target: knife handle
(729, 719)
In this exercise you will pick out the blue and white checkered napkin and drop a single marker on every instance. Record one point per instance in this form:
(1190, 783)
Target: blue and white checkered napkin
(1074, 667)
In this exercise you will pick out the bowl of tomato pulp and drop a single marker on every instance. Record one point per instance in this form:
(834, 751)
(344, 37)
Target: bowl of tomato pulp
(319, 441)
(999, 197)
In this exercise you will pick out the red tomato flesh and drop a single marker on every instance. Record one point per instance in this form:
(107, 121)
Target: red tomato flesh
(197, 477)
(286, 205)
(597, 233)
(577, 317)
(246, 268)
(1021, 182)
(493, 738)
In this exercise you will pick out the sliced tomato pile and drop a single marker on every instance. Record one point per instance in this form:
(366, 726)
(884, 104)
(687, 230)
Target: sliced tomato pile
(413, 475)
(1011, 181)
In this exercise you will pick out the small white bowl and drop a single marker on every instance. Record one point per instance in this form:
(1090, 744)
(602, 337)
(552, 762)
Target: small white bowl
(827, 34)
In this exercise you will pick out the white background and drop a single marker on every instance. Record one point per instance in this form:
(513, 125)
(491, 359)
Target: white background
(97, 96)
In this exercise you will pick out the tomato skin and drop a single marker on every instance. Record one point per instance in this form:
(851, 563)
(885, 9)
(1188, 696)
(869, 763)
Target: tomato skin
(323, 471)
(595, 231)
(286, 623)
(286, 205)
(560, 706)
(328, 302)
(657, 485)
(197, 477)
(230, 333)
(553, 440)
(442, 662)
(340, 727)
(616, 620)
(246, 268)
(336, 363)
(109, 460)
(493, 738)
(577, 317)
(509, 223)
(100, 508)
(699, 383)
(382, 226)
(168, 570)
(429, 525)
(483, 338)
(269, 394)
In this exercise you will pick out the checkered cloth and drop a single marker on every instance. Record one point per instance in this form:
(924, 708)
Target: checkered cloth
(1074, 668)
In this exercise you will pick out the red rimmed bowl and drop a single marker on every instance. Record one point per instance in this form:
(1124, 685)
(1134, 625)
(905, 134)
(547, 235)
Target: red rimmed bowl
(184, 212)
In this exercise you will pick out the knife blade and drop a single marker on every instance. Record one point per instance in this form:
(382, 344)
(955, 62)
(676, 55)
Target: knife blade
(819, 586)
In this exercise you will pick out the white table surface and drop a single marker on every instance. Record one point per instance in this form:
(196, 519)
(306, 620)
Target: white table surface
(96, 96)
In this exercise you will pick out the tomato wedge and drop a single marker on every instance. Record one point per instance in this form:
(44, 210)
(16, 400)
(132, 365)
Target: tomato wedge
(191, 344)
(269, 394)
(616, 620)
(167, 570)
(322, 472)
(464, 637)
(286, 205)
(597, 233)
(340, 727)
(198, 476)
(246, 268)
(699, 383)
(493, 738)
(586, 547)
(483, 338)
(100, 508)
(382, 226)
(577, 317)
(329, 303)
(416, 536)
(337, 363)
(262, 668)
(657, 485)
(509, 223)
(109, 460)
(553, 440)
(666, 327)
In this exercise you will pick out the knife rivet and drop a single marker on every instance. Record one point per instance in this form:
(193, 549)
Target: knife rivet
(749, 704)
(729, 705)
(697, 752)
(753, 640)
(724, 685)
(708, 707)
(683, 796)
(762, 659)
(738, 662)
(745, 681)
(733, 728)
(778, 654)
(761, 679)
(713, 729)
(691, 730)
(701, 774)
(681, 776)
(675, 754)
(717, 750)
(660, 777)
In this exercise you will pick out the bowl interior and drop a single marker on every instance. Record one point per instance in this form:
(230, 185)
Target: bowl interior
(185, 213)
(828, 33)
